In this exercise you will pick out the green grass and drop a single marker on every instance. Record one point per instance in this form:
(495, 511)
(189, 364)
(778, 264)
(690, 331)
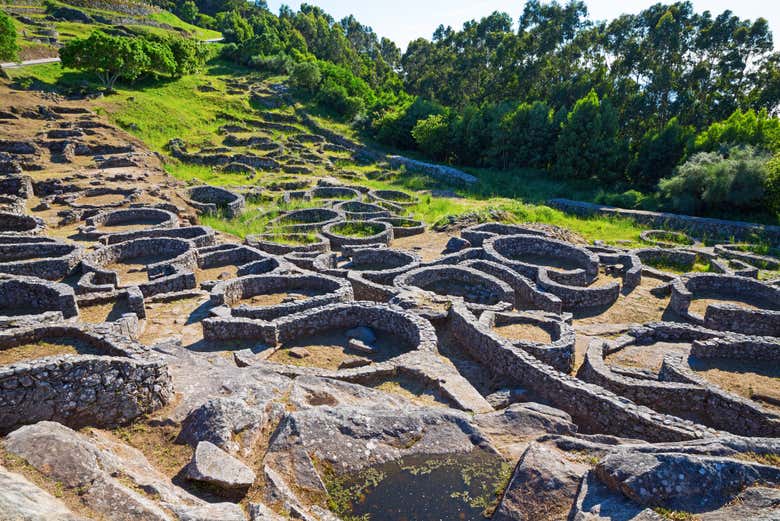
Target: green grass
(158, 111)
(357, 229)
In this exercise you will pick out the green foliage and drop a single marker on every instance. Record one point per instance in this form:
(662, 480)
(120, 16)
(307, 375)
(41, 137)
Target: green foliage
(188, 11)
(9, 49)
(588, 144)
(711, 182)
(395, 126)
(234, 27)
(109, 57)
(432, 136)
(306, 76)
(772, 184)
(112, 57)
(527, 137)
(659, 152)
(753, 128)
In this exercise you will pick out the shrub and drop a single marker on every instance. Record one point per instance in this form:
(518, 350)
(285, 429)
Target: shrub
(394, 127)
(630, 199)
(659, 153)
(9, 50)
(335, 96)
(306, 76)
(757, 129)
(588, 145)
(708, 181)
(528, 136)
(432, 136)
(772, 184)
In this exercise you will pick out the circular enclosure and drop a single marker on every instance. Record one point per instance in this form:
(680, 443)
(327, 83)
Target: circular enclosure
(309, 219)
(358, 233)
(356, 210)
(11, 223)
(478, 290)
(284, 243)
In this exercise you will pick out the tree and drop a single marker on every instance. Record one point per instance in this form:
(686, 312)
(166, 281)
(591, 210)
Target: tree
(306, 76)
(107, 56)
(9, 50)
(234, 27)
(188, 11)
(432, 136)
(529, 135)
(659, 153)
(588, 145)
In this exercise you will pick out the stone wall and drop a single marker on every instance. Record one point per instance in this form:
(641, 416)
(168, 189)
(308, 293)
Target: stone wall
(50, 260)
(38, 295)
(104, 390)
(212, 199)
(593, 408)
(696, 225)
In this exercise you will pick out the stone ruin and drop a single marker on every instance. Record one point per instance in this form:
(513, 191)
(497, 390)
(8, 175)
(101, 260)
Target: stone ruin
(152, 368)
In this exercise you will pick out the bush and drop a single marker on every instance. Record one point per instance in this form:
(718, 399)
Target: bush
(528, 136)
(9, 50)
(588, 145)
(306, 76)
(710, 182)
(336, 97)
(630, 199)
(394, 127)
(772, 184)
(278, 63)
(659, 153)
(432, 136)
(757, 129)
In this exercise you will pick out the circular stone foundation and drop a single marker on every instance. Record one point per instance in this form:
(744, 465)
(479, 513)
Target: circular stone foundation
(730, 303)
(211, 199)
(309, 219)
(266, 297)
(22, 296)
(129, 220)
(403, 227)
(358, 233)
(141, 261)
(14, 224)
(50, 260)
(284, 243)
(479, 290)
(545, 335)
(666, 239)
(355, 210)
(379, 265)
(393, 197)
(479, 233)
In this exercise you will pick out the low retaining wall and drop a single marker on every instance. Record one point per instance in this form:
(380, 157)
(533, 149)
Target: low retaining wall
(697, 225)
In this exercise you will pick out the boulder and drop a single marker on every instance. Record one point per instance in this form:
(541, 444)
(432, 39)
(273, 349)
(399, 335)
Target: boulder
(362, 333)
(456, 244)
(681, 481)
(596, 502)
(221, 421)
(21, 500)
(543, 487)
(214, 466)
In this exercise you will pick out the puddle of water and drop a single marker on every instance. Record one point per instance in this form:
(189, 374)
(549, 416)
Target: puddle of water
(423, 488)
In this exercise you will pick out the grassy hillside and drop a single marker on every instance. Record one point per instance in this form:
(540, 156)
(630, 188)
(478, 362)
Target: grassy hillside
(194, 107)
(39, 37)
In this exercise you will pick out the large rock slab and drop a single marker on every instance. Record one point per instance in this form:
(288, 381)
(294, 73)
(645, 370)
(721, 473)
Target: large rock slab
(349, 439)
(214, 466)
(20, 500)
(681, 481)
(92, 464)
(543, 487)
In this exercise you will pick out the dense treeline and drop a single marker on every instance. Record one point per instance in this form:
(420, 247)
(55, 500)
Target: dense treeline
(632, 102)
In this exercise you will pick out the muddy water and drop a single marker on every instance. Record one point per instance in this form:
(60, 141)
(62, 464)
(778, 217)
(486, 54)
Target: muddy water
(433, 488)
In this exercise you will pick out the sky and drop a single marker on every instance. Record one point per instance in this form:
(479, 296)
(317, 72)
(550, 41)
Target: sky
(405, 20)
